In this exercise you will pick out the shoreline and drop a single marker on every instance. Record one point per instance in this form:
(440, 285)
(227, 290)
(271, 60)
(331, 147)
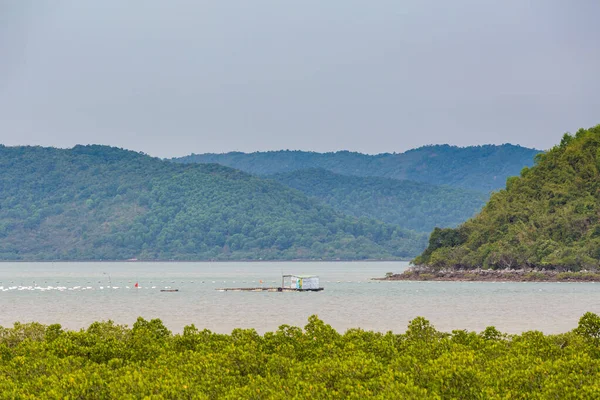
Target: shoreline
(482, 275)
(205, 261)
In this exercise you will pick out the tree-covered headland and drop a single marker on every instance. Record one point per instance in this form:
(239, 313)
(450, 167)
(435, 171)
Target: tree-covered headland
(548, 218)
(108, 361)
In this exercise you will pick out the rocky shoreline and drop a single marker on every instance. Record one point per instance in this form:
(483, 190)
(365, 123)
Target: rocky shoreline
(488, 275)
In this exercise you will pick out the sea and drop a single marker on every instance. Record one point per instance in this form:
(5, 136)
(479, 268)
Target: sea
(75, 294)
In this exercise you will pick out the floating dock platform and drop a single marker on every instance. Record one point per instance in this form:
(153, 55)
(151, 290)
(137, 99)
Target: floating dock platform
(268, 289)
(297, 283)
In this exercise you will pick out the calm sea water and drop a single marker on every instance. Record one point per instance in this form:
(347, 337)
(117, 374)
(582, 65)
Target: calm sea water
(77, 294)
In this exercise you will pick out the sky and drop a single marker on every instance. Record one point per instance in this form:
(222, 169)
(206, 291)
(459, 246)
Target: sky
(169, 78)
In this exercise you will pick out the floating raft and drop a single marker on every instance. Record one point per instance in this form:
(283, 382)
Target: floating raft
(268, 289)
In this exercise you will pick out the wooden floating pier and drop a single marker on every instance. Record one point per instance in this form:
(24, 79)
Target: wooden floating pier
(268, 289)
(295, 283)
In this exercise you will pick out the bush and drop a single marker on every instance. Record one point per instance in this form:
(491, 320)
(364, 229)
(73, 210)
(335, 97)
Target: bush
(148, 361)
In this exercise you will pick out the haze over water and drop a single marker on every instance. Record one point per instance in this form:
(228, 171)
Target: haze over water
(77, 294)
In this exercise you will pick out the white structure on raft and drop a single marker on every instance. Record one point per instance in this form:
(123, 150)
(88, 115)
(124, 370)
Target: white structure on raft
(302, 282)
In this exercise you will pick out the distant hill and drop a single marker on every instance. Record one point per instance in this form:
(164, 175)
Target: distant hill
(413, 205)
(98, 202)
(548, 217)
(481, 168)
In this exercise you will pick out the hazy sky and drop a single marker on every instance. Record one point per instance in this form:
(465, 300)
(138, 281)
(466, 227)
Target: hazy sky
(174, 77)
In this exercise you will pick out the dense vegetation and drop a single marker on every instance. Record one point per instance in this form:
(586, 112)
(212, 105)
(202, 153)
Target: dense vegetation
(482, 168)
(413, 205)
(97, 202)
(548, 217)
(148, 361)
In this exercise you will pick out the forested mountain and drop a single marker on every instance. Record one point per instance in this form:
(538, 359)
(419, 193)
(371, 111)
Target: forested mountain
(97, 202)
(413, 205)
(549, 217)
(482, 168)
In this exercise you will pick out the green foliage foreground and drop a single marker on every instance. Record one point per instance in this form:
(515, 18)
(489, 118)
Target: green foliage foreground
(148, 361)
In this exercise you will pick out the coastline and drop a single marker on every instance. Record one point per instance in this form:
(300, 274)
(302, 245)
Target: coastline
(370, 260)
(483, 275)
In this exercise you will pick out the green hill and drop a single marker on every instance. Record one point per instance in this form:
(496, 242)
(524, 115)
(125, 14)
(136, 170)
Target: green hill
(549, 217)
(97, 202)
(413, 205)
(482, 168)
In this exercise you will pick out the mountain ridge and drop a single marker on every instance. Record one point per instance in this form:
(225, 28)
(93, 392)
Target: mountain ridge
(413, 205)
(483, 168)
(98, 202)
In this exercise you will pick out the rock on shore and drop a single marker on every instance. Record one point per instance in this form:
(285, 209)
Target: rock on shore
(489, 275)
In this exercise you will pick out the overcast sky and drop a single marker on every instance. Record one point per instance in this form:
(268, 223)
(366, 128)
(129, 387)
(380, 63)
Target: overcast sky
(173, 77)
